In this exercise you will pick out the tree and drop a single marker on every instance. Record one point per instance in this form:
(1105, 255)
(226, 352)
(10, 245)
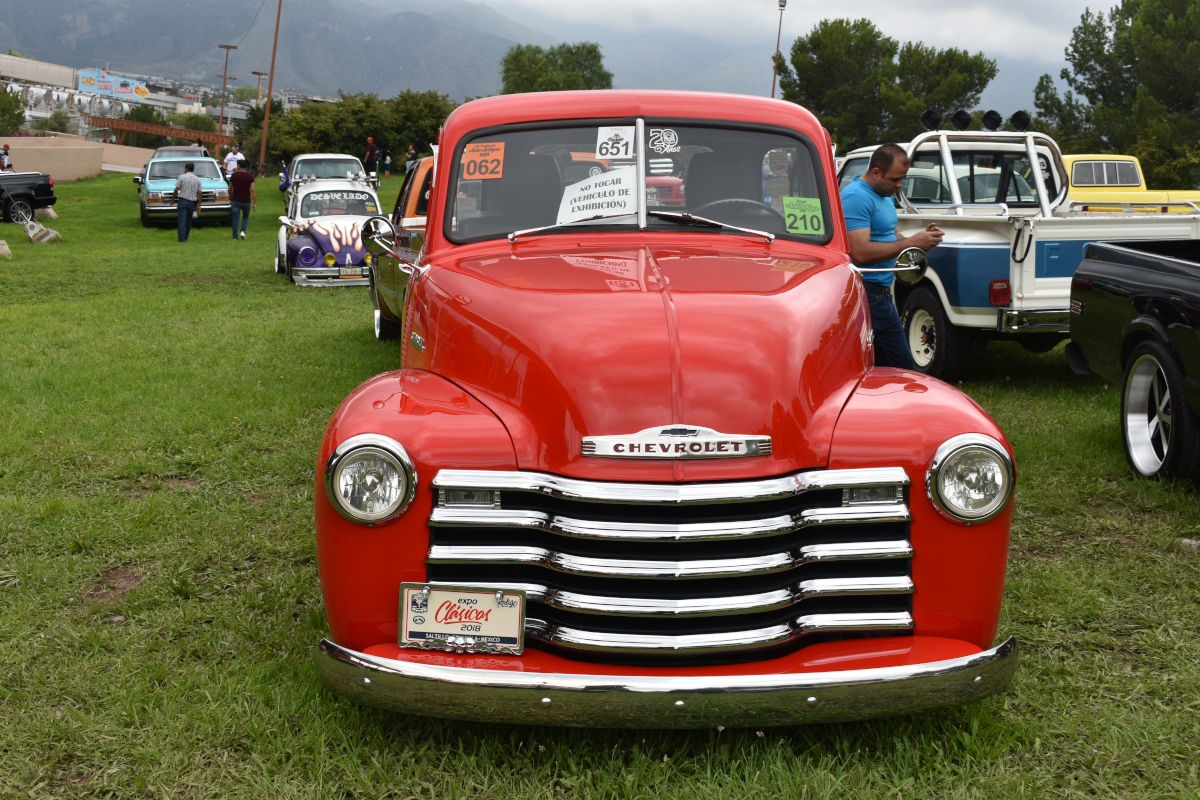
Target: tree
(151, 115)
(244, 94)
(1134, 88)
(865, 88)
(12, 113)
(59, 121)
(529, 68)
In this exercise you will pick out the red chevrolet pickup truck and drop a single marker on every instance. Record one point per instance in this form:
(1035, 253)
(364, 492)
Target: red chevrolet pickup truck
(636, 468)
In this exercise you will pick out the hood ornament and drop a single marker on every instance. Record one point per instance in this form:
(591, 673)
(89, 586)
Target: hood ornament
(677, 441)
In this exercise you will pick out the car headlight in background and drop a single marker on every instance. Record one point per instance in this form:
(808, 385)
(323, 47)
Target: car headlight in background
(330, 259)
(370, 478)
(367, 259)
(971, 479)
(307, 256)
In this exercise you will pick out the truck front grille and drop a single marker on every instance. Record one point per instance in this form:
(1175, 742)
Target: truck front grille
(715, 572)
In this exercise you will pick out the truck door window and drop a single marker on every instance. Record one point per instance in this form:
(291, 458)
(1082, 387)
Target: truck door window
(853, 168)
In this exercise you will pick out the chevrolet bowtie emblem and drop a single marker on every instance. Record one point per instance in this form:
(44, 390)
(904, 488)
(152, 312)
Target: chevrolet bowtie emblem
(677, 441)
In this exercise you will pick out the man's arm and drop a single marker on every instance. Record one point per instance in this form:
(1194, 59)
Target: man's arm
(863, 251)
(253, 196)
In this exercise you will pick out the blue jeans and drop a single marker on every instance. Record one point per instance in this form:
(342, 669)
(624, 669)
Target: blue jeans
(239, 211)
(891, 345)
(186, 207)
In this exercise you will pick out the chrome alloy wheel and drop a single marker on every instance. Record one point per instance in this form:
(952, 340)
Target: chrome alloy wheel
(1148, 414)
(21, 211)
(922, 341)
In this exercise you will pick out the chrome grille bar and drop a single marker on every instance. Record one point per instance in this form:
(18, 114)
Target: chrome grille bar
(630, 568)
(878, 513)
(668, 494)
(698, 606)
(755, 639)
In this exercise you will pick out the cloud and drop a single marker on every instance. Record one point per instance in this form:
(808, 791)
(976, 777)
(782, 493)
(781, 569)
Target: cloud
(1036, 30)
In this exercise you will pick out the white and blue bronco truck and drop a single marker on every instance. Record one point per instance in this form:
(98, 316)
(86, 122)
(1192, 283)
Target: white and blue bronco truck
(1013, 241)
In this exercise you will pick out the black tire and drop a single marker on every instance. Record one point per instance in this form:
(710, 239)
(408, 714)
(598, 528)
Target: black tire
(18, 210)
(280, 262)
(386, 328)
(937, 347)
(146, 223)
(1159, 431)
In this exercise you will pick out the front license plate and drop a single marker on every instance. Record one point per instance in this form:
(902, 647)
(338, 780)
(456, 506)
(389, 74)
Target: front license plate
(351, 272)
(459, 618)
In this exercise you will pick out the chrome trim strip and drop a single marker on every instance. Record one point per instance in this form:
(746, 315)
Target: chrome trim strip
(610, 567)
(482, 692)
(880, 621)
(854, 551)
(695, 606)
(652, 531)
(1041, 320)
(669, 494)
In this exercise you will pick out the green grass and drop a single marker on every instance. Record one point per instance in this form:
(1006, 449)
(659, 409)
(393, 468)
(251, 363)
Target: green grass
(160, 410)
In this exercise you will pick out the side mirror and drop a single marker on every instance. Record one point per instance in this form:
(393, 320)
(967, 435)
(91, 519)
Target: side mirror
(285, 221)
(911, 266)
(381, 239)
(281, 176)
(138, 180)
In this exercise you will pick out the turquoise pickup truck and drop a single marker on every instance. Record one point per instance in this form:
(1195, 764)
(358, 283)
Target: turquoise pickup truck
(155, 189)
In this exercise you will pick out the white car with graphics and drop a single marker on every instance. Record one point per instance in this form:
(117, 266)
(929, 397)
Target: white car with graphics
(321, 237)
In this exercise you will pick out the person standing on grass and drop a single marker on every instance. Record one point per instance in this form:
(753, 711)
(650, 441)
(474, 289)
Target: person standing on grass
(874, 243)
(369, 158)
(387, 164)
(410, 160)
(232, 160)
(187, 199)
(242, 197)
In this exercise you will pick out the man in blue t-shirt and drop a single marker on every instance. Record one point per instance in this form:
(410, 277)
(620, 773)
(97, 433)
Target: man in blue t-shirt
(874, 243)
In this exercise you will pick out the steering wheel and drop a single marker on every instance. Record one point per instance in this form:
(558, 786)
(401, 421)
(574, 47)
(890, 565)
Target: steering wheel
(742, 204)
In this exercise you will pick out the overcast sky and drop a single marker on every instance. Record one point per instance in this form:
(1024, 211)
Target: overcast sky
(1027, 29)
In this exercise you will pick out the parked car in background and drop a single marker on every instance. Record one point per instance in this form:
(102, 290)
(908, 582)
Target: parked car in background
(320, 239)
(321, 166)
(177, 151)
(1013, 241)
(23, 193)
(408, 218)
(1135, 319)
(1096, 178)
(156, 188)
(635, 468)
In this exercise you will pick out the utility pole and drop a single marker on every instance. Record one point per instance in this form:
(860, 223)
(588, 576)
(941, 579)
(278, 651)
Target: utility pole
(262, 151)
(775, 60)
(224, 84)
(258, 91)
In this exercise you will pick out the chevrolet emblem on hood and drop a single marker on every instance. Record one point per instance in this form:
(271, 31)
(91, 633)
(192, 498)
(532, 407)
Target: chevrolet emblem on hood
(677, 441)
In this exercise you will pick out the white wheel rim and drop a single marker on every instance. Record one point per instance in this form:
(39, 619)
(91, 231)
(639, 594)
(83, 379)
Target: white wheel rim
(378, 324)
(21, 213)
(921, 342)
(1148, 415)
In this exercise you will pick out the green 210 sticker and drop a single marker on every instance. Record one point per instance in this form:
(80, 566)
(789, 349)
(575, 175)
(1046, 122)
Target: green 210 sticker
(804, 215)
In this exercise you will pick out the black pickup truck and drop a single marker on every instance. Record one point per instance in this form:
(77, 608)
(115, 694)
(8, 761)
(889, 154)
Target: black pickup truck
(1135, 318)
(21, 193)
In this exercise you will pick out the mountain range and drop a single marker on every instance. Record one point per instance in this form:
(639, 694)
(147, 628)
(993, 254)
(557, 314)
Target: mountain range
(382, 46)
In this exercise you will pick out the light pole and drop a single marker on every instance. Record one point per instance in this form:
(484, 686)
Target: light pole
(775, 60)
(225, 83)
(262, 151)
(258, 91)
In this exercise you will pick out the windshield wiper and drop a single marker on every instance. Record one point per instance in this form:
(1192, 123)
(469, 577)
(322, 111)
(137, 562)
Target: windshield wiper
(512, 237)
(692, 219)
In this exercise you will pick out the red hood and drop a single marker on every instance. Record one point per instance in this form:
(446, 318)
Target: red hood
(562, 343)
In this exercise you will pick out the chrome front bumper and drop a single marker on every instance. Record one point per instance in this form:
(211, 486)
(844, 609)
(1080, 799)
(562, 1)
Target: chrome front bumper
(331, 276)
(644, 701)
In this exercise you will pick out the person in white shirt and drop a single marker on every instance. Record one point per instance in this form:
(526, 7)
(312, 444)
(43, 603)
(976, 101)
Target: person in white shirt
(231, 160)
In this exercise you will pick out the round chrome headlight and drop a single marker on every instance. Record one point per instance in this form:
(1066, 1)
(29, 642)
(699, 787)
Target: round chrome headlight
(307, 256)
(971, 479)
(370, 478)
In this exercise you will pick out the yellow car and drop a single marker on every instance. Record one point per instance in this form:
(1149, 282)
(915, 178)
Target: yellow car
(1119, 179)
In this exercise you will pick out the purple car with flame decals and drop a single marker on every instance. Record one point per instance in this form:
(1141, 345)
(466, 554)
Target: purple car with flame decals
(320, 239)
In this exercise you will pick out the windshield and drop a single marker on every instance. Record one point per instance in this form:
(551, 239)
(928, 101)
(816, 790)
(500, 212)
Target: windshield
(587, 176)
(331, 204)
(982, 178)
(328, 167)
(170, 170)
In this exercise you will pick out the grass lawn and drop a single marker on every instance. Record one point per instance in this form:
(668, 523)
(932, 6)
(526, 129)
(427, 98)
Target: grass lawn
(160, 410)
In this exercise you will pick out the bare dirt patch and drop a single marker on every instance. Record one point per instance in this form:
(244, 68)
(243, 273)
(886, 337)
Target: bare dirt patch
(181, 483)
(133, 491)
(255, 500)
(115, 584)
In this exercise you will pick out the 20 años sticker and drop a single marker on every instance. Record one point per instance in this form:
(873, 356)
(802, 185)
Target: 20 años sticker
(483, 161)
